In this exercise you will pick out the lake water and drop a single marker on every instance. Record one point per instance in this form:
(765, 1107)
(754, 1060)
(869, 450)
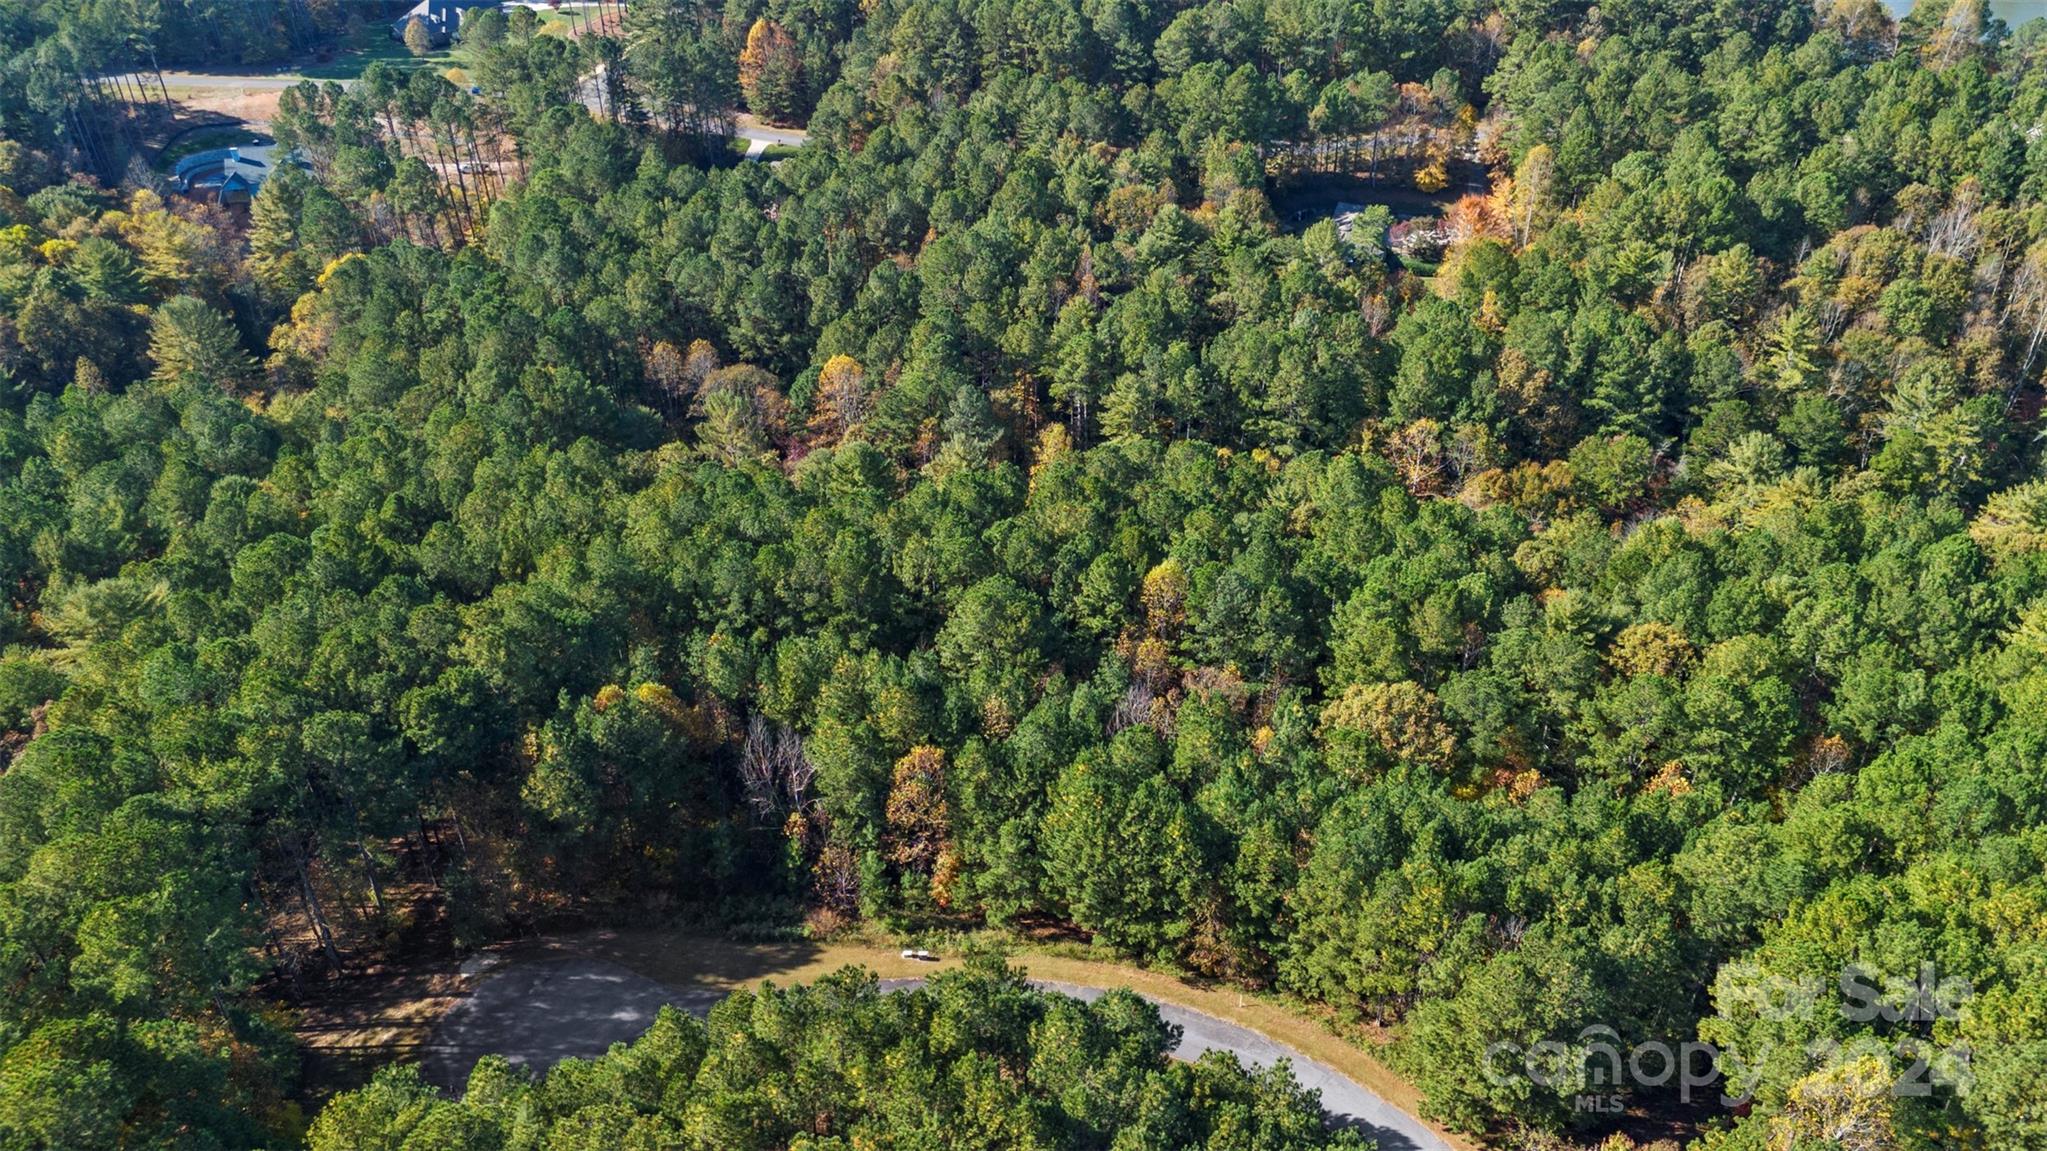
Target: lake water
(2013, 12)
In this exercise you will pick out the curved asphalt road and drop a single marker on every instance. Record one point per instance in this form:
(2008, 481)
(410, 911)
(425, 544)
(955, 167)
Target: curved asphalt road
(537, 1013)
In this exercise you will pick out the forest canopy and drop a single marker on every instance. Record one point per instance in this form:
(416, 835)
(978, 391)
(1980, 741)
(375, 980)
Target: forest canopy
(1599, 582)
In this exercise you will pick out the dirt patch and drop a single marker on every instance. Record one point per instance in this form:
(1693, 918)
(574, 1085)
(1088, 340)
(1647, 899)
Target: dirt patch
(255, 105)
(717, 963)
(399, 971)
(538, 1012)
(537, 1002)
(350, 1026)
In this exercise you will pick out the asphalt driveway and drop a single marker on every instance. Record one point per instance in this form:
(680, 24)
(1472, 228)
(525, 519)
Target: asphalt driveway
(536, 1013)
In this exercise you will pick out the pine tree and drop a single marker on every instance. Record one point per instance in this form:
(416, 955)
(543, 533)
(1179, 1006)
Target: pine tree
(191, 341)
(106, 271)
(971, 429)
(274, 254)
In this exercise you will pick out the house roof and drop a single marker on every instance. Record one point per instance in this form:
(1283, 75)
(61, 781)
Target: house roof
(440, 16)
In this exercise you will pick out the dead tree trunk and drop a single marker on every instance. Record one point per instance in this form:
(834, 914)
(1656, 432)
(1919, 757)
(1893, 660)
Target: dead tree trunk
(314, 912)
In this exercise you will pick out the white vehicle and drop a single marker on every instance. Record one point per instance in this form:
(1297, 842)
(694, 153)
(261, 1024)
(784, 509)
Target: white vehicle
(919, 954)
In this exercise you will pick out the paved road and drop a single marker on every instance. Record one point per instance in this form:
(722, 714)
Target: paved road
(268, 82)
(747, 128)
(537, 1013)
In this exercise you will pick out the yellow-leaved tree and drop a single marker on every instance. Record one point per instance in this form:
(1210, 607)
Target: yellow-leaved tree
(771, 73)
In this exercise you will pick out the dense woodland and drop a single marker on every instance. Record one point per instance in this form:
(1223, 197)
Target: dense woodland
(993, 515)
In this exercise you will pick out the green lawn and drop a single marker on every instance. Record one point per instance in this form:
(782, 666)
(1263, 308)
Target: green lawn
(373, 42)
(1419, 266)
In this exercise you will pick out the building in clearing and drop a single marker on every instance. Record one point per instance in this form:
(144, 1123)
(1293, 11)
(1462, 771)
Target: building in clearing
(226, 176)
(443, 18)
